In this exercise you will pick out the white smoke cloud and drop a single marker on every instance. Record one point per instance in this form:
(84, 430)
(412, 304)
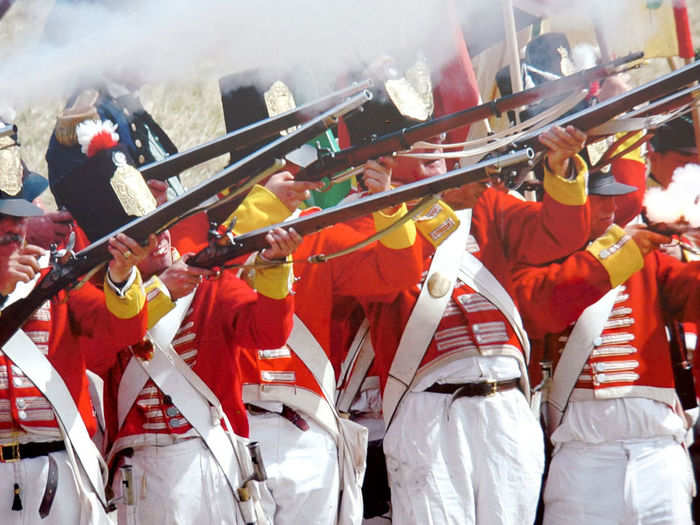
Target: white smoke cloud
(179, 40)
(678, 203)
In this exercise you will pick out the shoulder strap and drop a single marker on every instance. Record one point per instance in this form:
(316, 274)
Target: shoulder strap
(358, 369)
(22, 351)
(475, 275)
(305, 345)
(353, 351)
(134, 377)
(202, 409)
(424, 318)
(574, 356)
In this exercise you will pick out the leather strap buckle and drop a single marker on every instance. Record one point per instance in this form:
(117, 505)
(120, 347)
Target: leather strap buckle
(10, 453)
(492, 388)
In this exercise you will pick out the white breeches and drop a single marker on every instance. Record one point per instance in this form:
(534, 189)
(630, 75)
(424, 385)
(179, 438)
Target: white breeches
(478, 461)
(302, 470)
(68, 504)
(178, 484)
(631, 482)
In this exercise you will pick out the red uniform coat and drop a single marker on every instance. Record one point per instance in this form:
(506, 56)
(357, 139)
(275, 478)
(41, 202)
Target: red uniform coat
(633, 350)
(226, 315)
(68, 327)
(326, 292)
(507, 231)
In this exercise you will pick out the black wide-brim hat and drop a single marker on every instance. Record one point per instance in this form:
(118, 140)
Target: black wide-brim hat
(20, 205)
(604, 184)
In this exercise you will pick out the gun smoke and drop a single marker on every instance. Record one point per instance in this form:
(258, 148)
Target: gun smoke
(182, 41)
(680, 202)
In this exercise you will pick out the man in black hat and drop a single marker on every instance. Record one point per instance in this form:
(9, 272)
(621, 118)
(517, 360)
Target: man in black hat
(613, 414)
(672, 147)
(43, 229)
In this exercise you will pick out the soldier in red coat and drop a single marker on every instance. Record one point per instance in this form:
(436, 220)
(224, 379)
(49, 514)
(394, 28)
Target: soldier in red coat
(618, 426)
(313, 457)
(49, 467)
(176, 421)
(462, 445)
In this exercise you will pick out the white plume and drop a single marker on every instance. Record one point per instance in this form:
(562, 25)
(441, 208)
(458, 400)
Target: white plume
(88, 129)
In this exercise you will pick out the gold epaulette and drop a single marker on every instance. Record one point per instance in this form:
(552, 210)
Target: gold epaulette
(84, 108)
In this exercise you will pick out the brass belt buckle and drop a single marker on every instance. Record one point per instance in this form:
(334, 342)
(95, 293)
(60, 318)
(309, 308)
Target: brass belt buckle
(14, 447)
(493, 388)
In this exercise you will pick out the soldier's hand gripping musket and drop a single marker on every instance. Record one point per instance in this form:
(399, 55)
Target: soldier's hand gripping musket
(68, 268)
(333, 164)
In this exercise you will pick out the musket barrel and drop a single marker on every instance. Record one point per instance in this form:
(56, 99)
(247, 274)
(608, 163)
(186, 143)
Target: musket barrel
(604, 111)
(355, 156)
(247, 136)
(63, 276)
(247, 243)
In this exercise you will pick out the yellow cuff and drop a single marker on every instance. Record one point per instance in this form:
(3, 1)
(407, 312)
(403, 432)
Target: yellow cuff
(636, 153)
(438, 223)
(618, 253)
(274, 282)
(130, 304)
(158, 300)
(568, 192)
(260, 208)
(399, 238)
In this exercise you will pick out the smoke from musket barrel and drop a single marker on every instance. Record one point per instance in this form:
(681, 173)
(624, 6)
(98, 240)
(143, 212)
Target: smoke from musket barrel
(680, 202)
(180, 41)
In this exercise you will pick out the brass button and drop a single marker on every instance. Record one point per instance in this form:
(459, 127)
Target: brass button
(438, 285)
(138, 143)
(142, 159)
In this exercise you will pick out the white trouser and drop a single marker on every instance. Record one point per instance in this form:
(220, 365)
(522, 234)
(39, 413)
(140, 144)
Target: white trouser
(630, 482)
(477, 461)
(178, 484)
(30, 475)
(302, 470)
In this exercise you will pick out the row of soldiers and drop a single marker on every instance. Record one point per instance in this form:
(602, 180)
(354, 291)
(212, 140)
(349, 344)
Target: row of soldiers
(420, 339)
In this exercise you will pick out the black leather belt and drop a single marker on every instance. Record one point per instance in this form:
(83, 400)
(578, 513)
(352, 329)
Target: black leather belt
(486, 388)
(16, 451)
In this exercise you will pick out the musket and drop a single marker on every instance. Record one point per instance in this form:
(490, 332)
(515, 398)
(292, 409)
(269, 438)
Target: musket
(67, 269)
(594, 116)
(226, 247)
(329, 163)
(247, 136)
(6, 131)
